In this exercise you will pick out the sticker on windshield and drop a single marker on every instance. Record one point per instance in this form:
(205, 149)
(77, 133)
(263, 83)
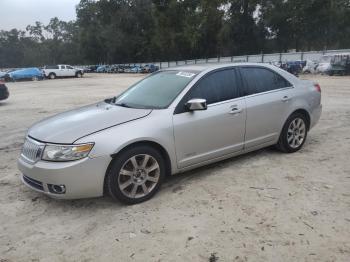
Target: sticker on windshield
(185, 74)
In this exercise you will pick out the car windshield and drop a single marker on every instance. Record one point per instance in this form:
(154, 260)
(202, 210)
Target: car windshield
(156, 91)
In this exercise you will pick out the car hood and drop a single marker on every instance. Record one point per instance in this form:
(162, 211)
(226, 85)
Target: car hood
(69, 126)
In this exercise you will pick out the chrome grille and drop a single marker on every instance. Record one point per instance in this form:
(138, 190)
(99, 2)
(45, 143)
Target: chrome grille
(32, 150)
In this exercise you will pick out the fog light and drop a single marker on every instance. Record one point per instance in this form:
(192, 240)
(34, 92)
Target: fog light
(57, 189)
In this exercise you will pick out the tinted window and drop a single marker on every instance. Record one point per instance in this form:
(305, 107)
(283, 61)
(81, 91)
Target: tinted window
(52, 67)
(261, 80)
(216, 87)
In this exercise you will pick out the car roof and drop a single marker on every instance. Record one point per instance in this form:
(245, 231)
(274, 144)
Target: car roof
(213, 66)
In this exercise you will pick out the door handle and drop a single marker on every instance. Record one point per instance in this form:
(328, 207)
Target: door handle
(285, 99)
(235, 110)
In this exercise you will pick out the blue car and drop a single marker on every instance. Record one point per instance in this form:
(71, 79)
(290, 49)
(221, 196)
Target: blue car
(136, 69)
(32, 73)
(102, 69)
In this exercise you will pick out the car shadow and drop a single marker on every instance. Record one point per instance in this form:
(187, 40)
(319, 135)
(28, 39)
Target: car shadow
(4, 103)
(171, 185)
(209, 170)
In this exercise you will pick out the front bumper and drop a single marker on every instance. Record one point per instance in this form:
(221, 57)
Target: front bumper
(82, 179)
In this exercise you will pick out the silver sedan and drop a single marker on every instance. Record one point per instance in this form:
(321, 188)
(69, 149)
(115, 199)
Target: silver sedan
(170, 122)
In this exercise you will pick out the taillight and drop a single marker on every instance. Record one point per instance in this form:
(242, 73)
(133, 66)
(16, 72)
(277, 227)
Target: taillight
(317, 87)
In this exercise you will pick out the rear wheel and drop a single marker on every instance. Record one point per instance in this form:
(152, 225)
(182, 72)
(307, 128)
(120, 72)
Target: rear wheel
(136, 174)
(293, 134)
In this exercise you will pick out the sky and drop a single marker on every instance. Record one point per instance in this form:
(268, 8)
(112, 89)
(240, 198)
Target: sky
(20, 13)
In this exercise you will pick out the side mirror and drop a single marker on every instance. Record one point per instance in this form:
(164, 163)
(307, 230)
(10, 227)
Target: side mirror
(196, 104)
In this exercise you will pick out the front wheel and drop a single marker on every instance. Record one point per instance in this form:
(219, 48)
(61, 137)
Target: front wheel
(52, 76)
(79, 75)
(293, 134)
(136, 174)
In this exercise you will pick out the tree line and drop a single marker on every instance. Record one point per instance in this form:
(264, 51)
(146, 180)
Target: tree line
(131, 31)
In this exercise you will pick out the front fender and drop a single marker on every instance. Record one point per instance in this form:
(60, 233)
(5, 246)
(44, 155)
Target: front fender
(156, 127)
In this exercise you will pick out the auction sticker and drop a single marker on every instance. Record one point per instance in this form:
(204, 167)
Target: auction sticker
(185, 74)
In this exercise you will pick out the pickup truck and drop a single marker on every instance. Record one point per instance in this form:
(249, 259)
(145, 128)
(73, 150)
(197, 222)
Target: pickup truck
(52, 72)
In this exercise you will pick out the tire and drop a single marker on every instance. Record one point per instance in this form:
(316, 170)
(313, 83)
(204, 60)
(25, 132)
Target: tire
(8, 79)
(52, 76)
(140, 167)
(35, 78)
(78, 75)
(294, 133)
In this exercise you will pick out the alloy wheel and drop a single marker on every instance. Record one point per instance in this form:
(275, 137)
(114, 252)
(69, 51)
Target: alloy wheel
(138, 176)
(296, 133)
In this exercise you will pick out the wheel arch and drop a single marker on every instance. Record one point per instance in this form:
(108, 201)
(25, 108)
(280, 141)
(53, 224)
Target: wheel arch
(152, 144)
(305, 113)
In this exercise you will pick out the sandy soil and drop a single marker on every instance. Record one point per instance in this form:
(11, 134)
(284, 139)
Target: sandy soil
(261, 206)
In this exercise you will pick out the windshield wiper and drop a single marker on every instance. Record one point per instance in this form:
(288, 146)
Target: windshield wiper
(123, 105)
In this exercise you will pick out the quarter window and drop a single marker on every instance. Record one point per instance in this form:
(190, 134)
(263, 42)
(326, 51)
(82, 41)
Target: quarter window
(260, 80)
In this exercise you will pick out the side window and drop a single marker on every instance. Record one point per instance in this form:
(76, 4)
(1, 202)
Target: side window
(216, 87)
(63, 67)
(51, 67)
(260, 80)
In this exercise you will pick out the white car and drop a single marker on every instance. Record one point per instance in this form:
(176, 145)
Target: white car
(324, 65)
(310, 67)
(52, 72)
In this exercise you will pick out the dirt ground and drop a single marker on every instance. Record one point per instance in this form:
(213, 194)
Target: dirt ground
(263, 206)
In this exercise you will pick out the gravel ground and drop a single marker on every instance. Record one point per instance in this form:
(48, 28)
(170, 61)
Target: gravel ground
(257, 207)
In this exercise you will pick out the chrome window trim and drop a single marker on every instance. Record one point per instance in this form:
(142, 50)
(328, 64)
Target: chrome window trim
(269, 92)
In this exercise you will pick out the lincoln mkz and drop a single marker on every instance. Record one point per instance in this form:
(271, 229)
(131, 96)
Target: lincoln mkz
(172, 121)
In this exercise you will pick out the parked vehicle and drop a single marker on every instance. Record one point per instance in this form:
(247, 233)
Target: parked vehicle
(310, 67)
(149, 68)
(121, 69)
(325, 64)
(174, 120)
(2, 74)
(102, 69)
(136, 69)
(293, 67)
(4, 92)
(32, 73)
(55, 71)
(339, 65)
(127, 69)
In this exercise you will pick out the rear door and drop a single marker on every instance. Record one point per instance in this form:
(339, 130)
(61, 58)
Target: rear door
(70, 70)
(268, 99)
(204, 135)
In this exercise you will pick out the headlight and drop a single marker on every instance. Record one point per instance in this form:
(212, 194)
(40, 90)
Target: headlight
(63, 153)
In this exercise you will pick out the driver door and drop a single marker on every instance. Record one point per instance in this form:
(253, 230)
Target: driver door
(217, 131)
